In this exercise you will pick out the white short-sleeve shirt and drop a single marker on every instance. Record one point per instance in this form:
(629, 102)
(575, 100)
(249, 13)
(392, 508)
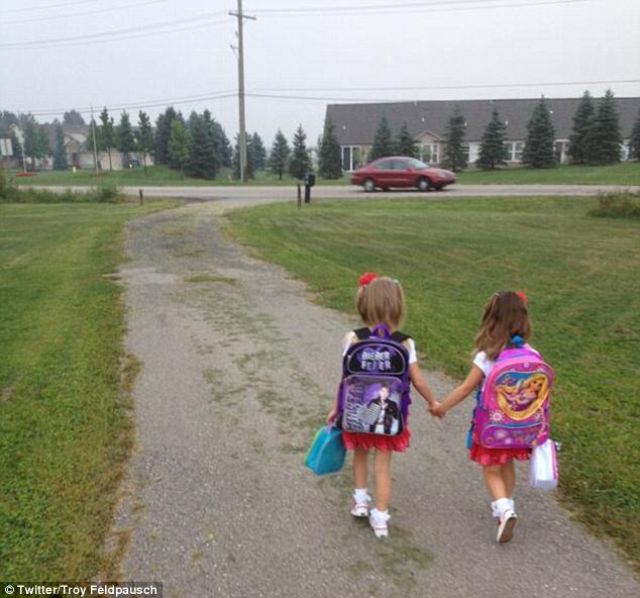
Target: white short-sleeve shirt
(351, 338)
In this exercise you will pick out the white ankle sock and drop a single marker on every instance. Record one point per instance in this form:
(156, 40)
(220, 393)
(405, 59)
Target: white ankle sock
(382, 516)
(494, 509)
(361, 495)
(502, 504)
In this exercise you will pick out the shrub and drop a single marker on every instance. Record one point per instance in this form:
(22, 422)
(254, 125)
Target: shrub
(619, 204)
(105, 194)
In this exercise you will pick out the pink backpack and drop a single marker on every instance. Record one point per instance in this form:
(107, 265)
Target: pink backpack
(513, 409)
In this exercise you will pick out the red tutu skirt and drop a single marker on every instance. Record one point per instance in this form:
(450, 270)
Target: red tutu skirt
(399, 443)
(496, 456)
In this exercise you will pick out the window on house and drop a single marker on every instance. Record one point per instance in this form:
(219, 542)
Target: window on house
(517, 153)
(508, 151)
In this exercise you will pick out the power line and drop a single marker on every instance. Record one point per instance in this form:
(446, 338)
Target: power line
(259, 93)
(48, 6)
(373, 9)
(163, 27)
(111, 9)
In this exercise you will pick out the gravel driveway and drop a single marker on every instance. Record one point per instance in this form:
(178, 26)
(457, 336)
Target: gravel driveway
(239, 368)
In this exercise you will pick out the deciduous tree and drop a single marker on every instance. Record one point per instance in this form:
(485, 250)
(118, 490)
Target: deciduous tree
(144, 137)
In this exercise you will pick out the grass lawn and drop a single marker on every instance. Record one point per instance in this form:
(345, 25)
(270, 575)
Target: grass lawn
(65, 429)
(154, 176)
(582, 276)
(627, 173)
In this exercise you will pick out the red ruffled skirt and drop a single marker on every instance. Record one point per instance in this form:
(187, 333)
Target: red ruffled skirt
(399, 443)
(487, 456)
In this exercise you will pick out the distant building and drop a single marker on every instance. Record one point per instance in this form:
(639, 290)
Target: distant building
(356, 124)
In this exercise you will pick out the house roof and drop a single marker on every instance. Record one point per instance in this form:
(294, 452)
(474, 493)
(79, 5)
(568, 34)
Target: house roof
(356, 124)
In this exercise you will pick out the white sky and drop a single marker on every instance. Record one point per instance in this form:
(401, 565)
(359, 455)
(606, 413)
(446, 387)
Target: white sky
(453, 45)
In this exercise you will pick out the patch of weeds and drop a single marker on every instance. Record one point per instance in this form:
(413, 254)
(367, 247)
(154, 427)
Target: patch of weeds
(191, 253)
(619, 204)
(359, 569)
(292, 449)
(400, 556)
(130, 368)
(205, 277)
(221, 391)
(173, 230)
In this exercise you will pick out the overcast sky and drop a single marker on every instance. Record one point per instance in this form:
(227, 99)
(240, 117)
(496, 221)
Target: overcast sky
(135, 53)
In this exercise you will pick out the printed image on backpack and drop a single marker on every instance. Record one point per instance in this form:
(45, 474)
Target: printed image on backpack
(372, 405)
(513, 410)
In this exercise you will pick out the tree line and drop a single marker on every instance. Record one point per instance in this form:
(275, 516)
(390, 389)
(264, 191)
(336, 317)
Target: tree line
(595, 139)
(196, 146)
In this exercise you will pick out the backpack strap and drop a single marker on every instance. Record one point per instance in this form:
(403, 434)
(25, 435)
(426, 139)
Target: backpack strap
(365, 333)
(362, 333)
(399, 337)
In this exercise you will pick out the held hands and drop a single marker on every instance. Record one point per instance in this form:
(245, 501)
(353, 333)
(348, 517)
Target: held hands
(332, 415)
(436, 410)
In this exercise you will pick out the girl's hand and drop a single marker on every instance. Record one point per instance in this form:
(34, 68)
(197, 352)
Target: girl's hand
(332, 415)
(436, 410)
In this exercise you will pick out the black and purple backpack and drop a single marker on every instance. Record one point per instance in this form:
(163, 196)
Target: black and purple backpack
(374, 397)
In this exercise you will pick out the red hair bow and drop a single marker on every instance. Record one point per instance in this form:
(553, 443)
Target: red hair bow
(366, 278)
(522, 296)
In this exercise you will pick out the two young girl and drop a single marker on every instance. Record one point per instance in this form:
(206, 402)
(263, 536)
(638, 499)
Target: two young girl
(380, 301)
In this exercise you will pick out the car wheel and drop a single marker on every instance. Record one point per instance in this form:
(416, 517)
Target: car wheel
(369, 186)
(424, 184)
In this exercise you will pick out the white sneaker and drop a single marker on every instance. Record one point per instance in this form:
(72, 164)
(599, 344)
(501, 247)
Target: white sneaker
(507, 523)
(360, 508)
(379, 523)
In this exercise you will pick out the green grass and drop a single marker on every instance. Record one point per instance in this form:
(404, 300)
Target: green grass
(154, 176)
(65, 428)
(582, 276)
(627, 173)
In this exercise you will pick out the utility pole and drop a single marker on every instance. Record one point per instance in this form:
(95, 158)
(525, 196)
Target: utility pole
(242, 141)
(95, 150)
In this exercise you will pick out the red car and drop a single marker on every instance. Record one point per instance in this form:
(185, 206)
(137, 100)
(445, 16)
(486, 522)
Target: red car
(400, 171)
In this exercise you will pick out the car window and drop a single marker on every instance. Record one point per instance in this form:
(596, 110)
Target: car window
(384, 165)
(401, 165)
(417, 163)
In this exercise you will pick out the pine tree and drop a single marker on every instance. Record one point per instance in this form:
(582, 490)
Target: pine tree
(203, 161)
(634, 142)
(144, 137)
(250, 167)
(279, 155)
(492, 147)
(107, 134)
(454, 154)
(330, 162)
(222, 151)
(60, 153)
(258, 152)
(382, 141)
(300, 162)
(177, 146)
(125, 141)
(405, 143)
(163, 133)
(538, 147)
(606, 138)
(581, 137)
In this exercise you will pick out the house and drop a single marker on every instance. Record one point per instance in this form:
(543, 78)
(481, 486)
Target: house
(78, 144)
(356, 124)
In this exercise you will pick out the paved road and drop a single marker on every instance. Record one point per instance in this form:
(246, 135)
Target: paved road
(239, 369)
(271, 193)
